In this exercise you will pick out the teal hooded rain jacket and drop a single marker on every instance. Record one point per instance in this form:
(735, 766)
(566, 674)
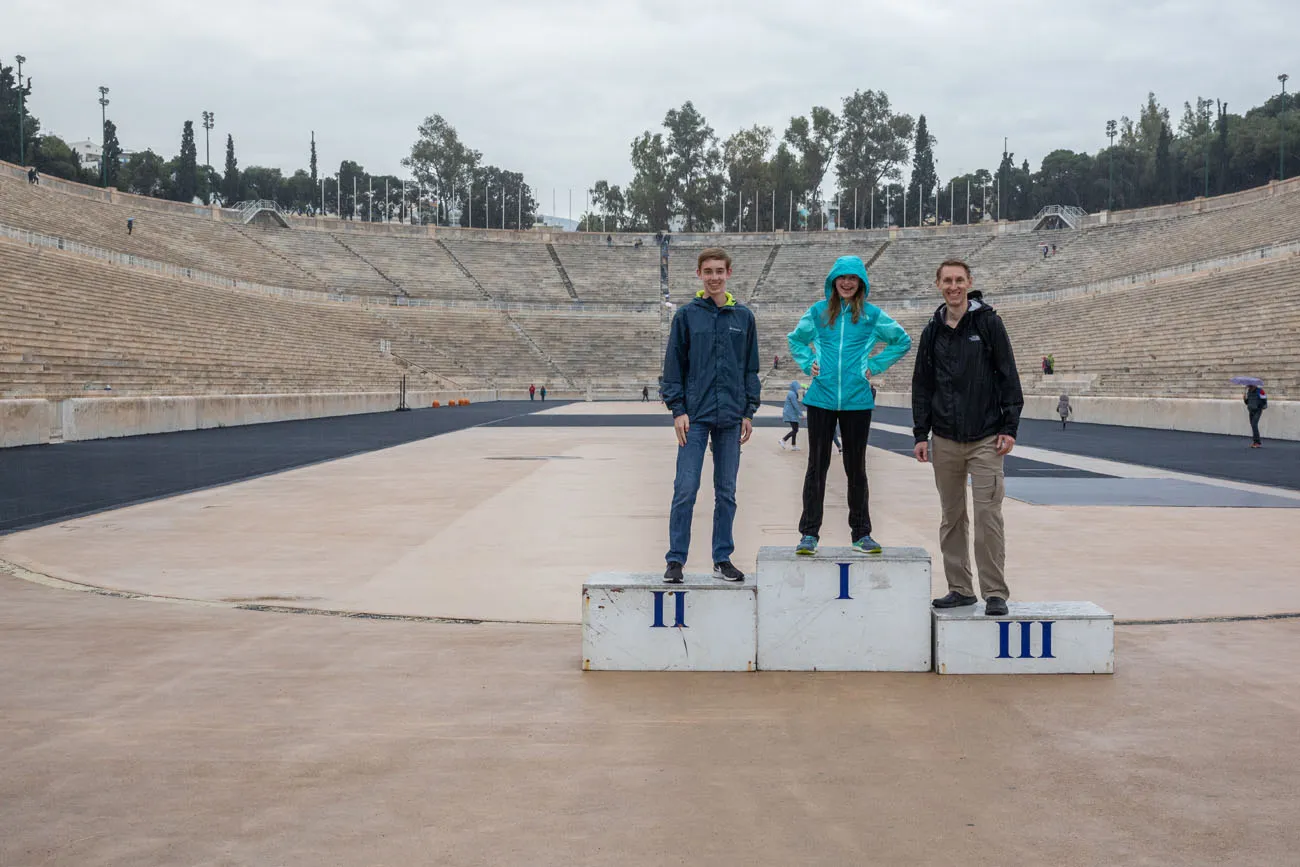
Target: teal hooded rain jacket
(843, 351)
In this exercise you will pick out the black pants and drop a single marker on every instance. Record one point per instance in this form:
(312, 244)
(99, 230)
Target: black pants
(1254, 424)
(855, 425)
(793, 435)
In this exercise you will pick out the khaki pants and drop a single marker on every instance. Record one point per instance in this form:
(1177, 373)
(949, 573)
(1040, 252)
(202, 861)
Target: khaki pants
(953, 462)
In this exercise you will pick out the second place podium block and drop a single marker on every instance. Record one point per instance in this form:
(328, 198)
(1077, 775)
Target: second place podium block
(636, 622)
(844, 611)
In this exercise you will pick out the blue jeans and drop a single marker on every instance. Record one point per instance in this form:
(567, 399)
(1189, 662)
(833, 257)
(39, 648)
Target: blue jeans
(690, 461)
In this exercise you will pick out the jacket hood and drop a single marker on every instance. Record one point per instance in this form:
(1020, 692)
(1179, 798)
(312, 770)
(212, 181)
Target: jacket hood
(977, 307)
(844, 266)
(701, 296)
(794, 388)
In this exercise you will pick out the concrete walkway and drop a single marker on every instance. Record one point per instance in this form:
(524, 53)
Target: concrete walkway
(177, 728)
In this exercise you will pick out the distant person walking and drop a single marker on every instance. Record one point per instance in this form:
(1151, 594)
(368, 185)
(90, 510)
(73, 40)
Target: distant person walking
(33, 178)
(645, 394)
(543, 393)
(130, 225)
(966, 391)
(792, 414)
(833, 342)
(1256, 402)
(532, 390)
(1063, 409)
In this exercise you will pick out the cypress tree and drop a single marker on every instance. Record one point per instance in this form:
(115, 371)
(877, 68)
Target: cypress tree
(187, 167)
(230, 183)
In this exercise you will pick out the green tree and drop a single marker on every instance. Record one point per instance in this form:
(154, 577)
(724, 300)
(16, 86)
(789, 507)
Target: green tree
(748, 173)
(260, 182)
(352, 178)
(649, 195)
(694, 167)
(299, 192)
(1065, 178)
(873, 143)
(498, 196)
(439, 159)
(185, 181)
(812, 140)
(112, 154)
(13, 95)
(920, 188)
(314, 179)
(144, 174)
(608, 209)
(54, 157)
(1162, 185)
(230, 185)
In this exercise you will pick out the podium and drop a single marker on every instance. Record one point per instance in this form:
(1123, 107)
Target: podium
(636, 622)
(841, 610)
(1032, 638)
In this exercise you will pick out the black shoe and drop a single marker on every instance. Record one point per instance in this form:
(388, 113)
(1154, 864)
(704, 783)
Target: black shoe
(995, 606)
(954, 600)
(673, 574)
(727, 572)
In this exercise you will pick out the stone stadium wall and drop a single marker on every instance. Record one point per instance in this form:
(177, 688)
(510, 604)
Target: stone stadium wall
(32, 422)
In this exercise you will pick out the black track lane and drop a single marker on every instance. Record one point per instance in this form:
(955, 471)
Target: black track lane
(42, 484)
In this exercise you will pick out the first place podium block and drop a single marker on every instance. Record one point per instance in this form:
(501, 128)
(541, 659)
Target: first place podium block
(636, 622)
(842, 610)
(1032, 638)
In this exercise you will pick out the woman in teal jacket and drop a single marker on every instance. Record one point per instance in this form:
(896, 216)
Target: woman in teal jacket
(833, 342)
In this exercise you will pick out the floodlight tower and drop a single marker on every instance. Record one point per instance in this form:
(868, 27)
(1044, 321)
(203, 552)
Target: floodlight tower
(22, 111)
(1110, 187)
(1281, 131)
(209, 121)
(103, 140)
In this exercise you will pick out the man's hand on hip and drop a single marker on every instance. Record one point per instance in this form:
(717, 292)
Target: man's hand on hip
(682, 423)
(746, 430)
(1004, 444)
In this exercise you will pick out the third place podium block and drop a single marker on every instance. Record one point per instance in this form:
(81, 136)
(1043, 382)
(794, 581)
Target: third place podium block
(636, 622)
(844, 611)
(1032, 638)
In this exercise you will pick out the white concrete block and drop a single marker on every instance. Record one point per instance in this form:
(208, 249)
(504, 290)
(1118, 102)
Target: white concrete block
(636, 622)
(1033, 638)
(844, 611)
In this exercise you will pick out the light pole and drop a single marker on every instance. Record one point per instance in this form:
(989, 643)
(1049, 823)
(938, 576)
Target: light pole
(209, 120)
(1110, 186)
(1281, 130)
(22, 111)
(103, 143)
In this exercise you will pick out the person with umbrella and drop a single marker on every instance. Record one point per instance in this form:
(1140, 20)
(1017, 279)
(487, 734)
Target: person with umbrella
(1256, 402)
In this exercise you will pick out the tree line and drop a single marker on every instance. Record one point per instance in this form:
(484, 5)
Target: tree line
(684, 175)
(879, 164)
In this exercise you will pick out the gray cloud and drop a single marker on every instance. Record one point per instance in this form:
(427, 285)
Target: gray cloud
(558, 89)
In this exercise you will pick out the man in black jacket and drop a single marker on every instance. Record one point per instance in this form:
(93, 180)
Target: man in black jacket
(966, 392)
(711, 384)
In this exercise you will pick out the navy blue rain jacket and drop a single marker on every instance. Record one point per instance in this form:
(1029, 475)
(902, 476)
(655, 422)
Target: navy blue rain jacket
(711, 363)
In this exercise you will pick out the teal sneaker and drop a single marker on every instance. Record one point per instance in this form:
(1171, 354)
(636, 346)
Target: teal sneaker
(807, 546)
(867, 545)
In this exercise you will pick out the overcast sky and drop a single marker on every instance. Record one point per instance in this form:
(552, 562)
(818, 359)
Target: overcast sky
(557, 89)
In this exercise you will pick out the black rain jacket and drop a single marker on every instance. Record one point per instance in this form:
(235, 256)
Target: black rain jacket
(965, 386)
